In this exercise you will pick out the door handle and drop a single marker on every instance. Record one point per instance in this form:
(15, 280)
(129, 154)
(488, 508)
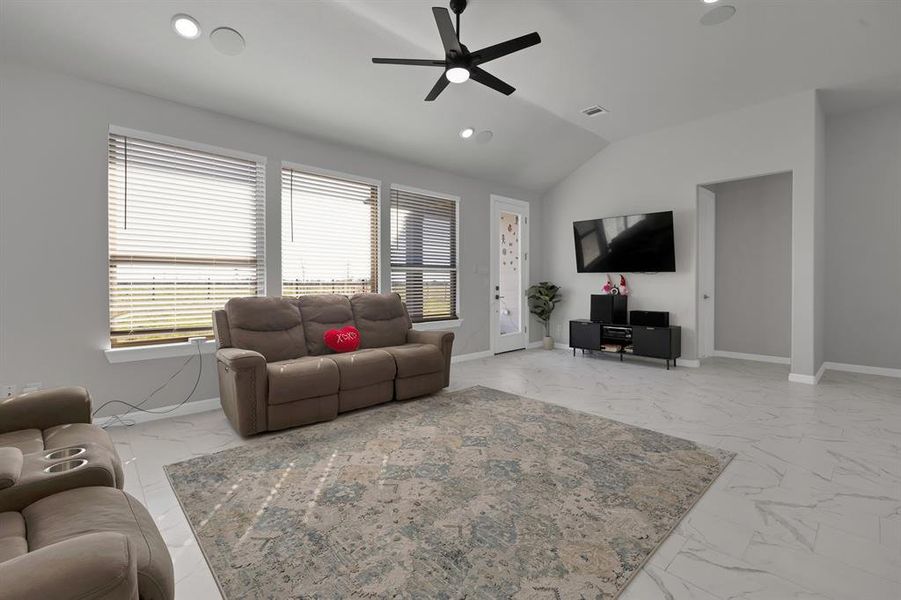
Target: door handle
(706, 297)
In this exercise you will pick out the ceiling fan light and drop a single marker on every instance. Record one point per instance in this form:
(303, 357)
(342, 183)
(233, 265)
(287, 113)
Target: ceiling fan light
(457, 74)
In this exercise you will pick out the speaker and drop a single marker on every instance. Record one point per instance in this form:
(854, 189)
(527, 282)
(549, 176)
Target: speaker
(609, 308)
(649, 318)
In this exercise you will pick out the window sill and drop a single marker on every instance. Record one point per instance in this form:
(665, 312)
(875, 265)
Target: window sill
(138, 353)
(432, 325)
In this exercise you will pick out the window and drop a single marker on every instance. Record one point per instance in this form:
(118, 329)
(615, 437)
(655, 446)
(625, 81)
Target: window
(424, 253)
(185, 235)
(330, 232)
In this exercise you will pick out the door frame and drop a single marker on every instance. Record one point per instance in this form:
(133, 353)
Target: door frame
(706, 261)
(521, 208)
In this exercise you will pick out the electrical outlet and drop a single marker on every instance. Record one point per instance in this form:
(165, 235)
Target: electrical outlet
(7, 390)
(32, 387)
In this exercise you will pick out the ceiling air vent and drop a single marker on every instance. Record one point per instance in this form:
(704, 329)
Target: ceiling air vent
(594, 110)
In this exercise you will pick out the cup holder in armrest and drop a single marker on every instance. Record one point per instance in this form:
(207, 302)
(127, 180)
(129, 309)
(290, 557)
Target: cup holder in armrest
(64, 453)
(66, 465)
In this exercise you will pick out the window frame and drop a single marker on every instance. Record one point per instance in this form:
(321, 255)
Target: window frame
(178, 347)
(313, 170)
(439, 323)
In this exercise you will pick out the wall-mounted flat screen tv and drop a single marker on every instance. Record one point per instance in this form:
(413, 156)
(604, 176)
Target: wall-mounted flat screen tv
(629, 244)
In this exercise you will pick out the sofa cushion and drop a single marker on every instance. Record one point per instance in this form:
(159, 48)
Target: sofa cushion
(416, 359)
(12, 536)
(321, 313)
(364, 367)
(301, 378)
(88, 510)
(270, 326)
(28, 441)
(381, 319)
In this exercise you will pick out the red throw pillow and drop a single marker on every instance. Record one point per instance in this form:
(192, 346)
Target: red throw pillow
(346, 339)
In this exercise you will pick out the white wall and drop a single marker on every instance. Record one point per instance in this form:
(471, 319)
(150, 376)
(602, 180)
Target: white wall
(820, 239)
(53, 215)
(661, 171)
(753, 265)
(863, 249)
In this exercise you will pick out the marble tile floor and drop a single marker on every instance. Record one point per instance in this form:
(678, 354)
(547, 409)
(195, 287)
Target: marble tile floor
(810, 509)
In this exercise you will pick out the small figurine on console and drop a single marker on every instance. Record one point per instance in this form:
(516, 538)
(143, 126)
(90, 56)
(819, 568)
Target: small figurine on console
(623, 289)
(608, 285)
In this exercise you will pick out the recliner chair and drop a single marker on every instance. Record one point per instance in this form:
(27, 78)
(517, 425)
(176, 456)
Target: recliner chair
(61, 449)
(66, 529)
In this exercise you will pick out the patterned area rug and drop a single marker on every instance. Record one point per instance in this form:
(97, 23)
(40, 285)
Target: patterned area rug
(469, 494)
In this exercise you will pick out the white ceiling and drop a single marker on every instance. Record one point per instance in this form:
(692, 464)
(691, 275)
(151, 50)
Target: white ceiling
(307, 67)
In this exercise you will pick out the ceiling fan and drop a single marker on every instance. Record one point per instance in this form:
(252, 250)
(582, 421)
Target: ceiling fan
(459, 63)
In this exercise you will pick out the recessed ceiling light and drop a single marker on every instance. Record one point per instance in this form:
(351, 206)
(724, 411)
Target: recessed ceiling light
(227, 41)
(711, 1)
(467, 132)
(457, 74)
(186, 26)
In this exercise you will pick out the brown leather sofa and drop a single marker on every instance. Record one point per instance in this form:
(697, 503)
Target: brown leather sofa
(92, 543)
(52, 431)
(66, 529)
(275, 370)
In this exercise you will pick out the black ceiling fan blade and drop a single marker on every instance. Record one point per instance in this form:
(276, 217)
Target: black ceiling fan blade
(504, 48)
(438, 88)
(446, 30)
(409, 61)
(486, 78)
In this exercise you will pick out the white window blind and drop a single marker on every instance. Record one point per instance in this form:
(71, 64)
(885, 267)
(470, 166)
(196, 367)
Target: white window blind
(330, 231)
(424, 254)
(185, 235)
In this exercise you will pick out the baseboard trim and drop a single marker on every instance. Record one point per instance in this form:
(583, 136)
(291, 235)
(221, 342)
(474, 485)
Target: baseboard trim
(808, 379)
(161, 412)
(458, 358)
(782, 360)
(865, 369)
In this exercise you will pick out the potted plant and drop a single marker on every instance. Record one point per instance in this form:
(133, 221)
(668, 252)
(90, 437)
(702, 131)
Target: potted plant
(543, 298)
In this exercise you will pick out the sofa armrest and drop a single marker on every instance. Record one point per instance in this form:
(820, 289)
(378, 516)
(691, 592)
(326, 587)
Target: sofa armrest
(243, 389)
(96, 566)
(443, 339)
(11, 460)
(238, 358)
(45, 408)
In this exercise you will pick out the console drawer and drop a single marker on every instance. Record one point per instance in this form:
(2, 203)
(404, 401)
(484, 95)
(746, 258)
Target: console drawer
(585, 335)
(656, 342)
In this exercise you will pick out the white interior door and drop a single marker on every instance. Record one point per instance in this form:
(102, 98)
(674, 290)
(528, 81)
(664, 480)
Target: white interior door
(706, 271)
(509, 274)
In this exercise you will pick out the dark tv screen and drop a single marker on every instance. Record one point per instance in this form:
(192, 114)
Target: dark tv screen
(629, 244)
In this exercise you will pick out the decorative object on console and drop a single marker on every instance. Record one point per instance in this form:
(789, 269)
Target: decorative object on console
(543, 299)
(420, 512)
(346, 339)
(608, 285)
(623, 289)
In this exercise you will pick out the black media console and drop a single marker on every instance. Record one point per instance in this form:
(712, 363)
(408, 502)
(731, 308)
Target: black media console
(639, 340)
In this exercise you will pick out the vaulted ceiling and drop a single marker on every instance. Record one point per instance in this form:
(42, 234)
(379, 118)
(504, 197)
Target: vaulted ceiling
(307, 68)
